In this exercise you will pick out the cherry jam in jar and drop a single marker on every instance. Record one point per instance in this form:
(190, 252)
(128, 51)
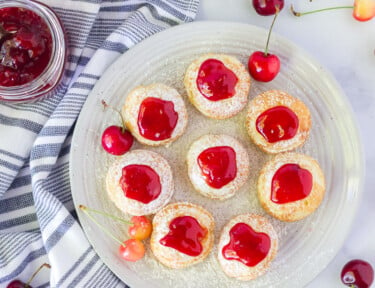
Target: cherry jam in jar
(32, 50)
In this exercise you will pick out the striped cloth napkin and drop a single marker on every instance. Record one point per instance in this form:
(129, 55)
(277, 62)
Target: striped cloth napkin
(38, 222)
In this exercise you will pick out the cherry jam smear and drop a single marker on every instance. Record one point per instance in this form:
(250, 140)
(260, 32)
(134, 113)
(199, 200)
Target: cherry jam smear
(277, 124)
(215, 81)
(246, 245)
(140, 182)
(26, 46)
(291, 183)
(157, 119)
(185, 235)
(218, 165)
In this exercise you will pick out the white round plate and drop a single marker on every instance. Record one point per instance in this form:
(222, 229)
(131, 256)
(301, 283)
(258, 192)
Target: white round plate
(307, 246)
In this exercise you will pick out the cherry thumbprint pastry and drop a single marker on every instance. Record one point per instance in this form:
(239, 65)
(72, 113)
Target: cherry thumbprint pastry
(183, 235)
(217, 85)
(218, 166)
(140, 182)
(291, 186)
(247, 246)
(155, 114)
(278, 122)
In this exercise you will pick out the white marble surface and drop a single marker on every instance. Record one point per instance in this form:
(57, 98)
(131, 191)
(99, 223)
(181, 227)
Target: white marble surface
(346, 47)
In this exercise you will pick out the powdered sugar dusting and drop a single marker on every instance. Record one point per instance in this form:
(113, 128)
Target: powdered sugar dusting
(139, 157)
(218, 109)
(134, 99)
(295, 210)
(244, 201)
(237, 269)
(169, 256)
(166, 62)
(273, 98)
(242, 165)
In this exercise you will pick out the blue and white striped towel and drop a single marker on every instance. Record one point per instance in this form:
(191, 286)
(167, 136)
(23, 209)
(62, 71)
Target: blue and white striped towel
(37, 217)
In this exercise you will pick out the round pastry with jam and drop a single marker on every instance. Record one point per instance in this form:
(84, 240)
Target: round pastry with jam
(155, 114)
(291, 186)
(247, 246)
(217, 85)
(218, 166)
(278, 122)
(140, 182)
(182, 235)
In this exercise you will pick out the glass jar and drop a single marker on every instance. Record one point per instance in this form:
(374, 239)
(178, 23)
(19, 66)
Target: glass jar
(44, 82)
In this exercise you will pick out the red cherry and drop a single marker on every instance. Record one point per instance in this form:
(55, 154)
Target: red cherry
(141, 228)
(267, 7)
(116, 140)
(357, 274)
(18, 284)
(263, 67)
(132, 250)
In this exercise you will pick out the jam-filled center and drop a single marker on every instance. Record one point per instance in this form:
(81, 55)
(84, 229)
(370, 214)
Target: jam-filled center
(25, 46)
(218, 165)
(246, 245)
(215, 81)
(290, 183)
(140, 182)
(185, 235)
(157, 119)
(277, 123)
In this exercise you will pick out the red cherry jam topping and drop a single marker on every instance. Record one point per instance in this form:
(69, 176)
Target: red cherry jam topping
(290, 183)
(185, 235)
(277, 123)
(157, 119)
(25, 46)
(218, 165)
(246, 245)
(215, 81)
(140, 182)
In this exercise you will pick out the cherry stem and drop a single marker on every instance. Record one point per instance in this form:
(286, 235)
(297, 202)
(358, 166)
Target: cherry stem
(122, 118)
(35, 273)
(105, 214)
(83, 208)
(269, 32)
(298, 14)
